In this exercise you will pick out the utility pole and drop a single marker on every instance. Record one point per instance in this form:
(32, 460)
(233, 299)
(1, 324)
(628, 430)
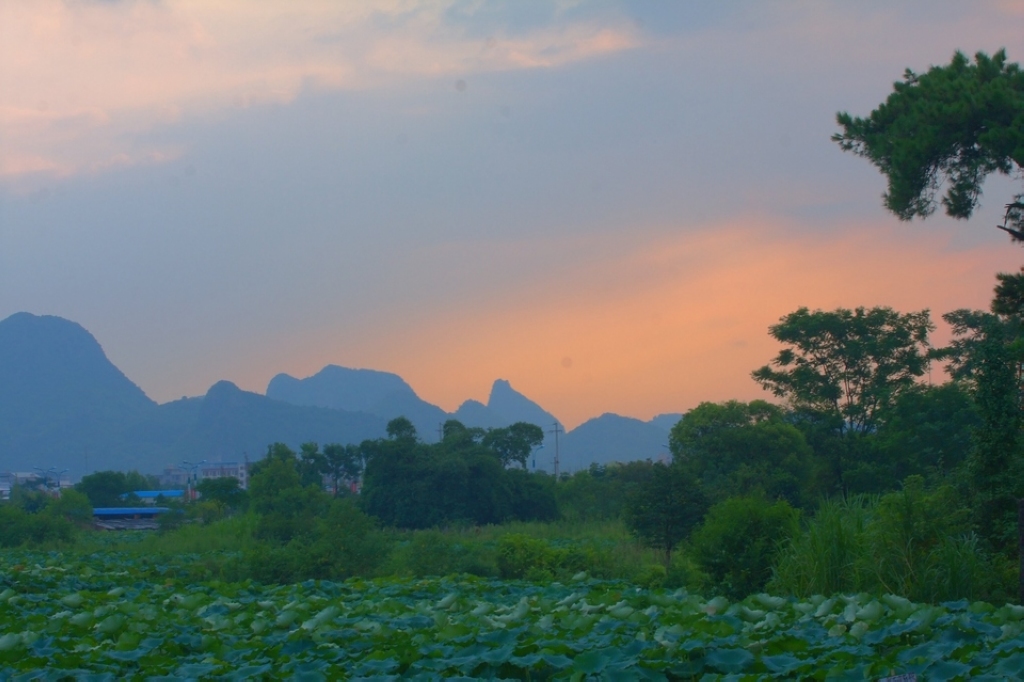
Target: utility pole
(440, 432)
(556, 430)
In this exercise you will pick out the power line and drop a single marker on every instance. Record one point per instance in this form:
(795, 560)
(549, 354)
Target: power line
(556, 430)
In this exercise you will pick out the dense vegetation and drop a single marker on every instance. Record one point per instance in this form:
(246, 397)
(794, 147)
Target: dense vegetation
(115, 614)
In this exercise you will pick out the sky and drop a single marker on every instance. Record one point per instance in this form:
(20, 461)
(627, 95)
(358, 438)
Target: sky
(605, 203)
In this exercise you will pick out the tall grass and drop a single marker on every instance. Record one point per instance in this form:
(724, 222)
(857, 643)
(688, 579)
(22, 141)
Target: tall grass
(913, 543)
(829, 556)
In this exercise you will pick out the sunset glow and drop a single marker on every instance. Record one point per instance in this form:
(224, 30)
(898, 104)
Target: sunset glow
(605, 204)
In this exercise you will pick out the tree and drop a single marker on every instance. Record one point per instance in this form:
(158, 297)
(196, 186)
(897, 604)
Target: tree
(952, 126)
(514, 444)
(927, 432)
(844, 368)
(986, 354)
(663, 510)
(411, 484)
(224, 490)
(342, 464)
(736, 448)
(104, 488)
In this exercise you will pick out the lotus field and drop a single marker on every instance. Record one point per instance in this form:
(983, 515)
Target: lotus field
(114, 615)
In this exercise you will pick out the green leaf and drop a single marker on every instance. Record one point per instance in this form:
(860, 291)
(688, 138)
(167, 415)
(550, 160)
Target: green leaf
(732, 660)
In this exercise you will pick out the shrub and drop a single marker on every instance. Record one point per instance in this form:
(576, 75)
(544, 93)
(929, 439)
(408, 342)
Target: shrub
(520, 554)
(915, 543)
(435, 553)
(738, 541)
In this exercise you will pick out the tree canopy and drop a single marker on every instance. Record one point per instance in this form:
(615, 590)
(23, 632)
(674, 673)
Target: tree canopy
(949, 127)
(462, 479)
(847, 364)
(736, 448)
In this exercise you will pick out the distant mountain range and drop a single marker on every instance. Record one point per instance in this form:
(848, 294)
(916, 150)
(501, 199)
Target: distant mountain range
(64, 405)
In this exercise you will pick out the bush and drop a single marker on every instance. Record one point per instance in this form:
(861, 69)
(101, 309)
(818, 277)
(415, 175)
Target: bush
(18, 527)
(520, 554)
(914, 543)
(339, 545)
(738, 541)
(435, 553)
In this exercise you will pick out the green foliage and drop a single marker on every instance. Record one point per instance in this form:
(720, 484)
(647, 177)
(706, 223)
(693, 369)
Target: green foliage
(410, 484)
(342, 543)
(105, 488)
(600, 492)
(736, 448)
(927, 431)
(521, 556)
(738, 541)
(436, 553)
(533, 495)
(986, 354)
(20, 528)
(844, 369)
(73, 506)
(827, 558)
(951, 126)
(664, 509)
(342, 465)
(225, 491)
(514, 444)
(114, 614)
(916, 543)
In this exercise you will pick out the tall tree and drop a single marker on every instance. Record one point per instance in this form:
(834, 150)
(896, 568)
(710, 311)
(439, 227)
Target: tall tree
(513, 444)
(664, 509)
(987, 354)
(342, 464)
(736, 448)
(949, 127)
(844, 368)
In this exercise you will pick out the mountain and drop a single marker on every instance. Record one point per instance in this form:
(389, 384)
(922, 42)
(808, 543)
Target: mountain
(383, 394)
(611, 438)
(231, 423)
(514, 407)
(64, 405)
(61, 399)
(666, 421)
(475, 413)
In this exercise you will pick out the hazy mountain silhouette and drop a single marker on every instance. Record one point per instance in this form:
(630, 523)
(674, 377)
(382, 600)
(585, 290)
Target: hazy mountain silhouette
(475, 413)
(383, 394)
(514, 407)
(232, 422)
(666, 421)
(61, 399)
(63, 404)
(611, 438)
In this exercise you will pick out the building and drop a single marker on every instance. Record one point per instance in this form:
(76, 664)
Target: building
(52, 482)
(188, 476)
(239, 470)
(127, 518)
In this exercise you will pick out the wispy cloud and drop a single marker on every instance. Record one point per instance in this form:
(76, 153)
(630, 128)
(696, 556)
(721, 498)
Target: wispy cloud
(83, 82)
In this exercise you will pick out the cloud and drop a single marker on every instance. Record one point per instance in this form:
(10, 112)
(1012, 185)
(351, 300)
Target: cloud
(93, 79)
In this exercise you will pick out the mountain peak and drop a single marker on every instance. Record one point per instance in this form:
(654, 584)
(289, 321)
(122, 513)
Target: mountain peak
(516, 407)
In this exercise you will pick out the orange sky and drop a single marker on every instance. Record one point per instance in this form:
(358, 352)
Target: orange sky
(664, 326)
